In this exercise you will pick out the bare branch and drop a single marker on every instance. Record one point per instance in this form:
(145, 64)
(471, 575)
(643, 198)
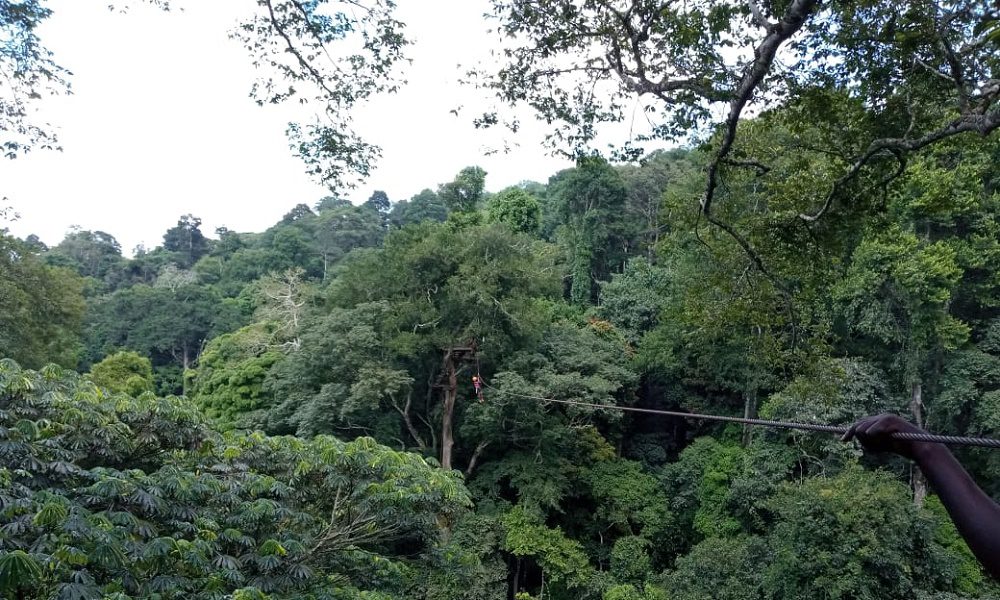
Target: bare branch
(760, 167)
(405, 413)
(292, 49)
(475, 457)
(934, 71)
(758, 15)
(764, 54)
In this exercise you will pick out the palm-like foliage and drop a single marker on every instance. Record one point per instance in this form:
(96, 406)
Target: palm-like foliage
(109, 494)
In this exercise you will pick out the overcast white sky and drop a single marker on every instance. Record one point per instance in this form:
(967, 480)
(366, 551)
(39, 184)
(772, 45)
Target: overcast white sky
(160, 124)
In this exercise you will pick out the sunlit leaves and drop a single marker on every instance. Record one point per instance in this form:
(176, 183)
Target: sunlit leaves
(562, 558)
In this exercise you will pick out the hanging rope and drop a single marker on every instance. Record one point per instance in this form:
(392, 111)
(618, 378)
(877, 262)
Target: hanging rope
(914, 437)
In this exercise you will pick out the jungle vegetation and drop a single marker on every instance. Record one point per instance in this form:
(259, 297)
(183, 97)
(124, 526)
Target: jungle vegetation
(290, 413)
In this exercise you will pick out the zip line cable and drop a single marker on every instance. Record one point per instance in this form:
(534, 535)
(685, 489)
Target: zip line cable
(914, 437)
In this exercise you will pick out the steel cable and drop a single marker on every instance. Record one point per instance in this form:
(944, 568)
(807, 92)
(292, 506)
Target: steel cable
(915, 437)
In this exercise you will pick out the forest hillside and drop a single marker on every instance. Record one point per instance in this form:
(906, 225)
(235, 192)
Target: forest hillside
(291, 413)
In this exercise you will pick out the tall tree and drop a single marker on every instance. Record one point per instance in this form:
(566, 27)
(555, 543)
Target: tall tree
(464, 193)
(90, 253)
(646, 183)
(590, 201)
(342, 229)
(379, 201)
(401, 315)
(425, 206)
(43, 307)
(186, 240)
(168, 325)
(927, 74)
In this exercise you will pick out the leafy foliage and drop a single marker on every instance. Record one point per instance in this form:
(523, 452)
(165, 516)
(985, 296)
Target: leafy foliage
(833, 256)
(42, 307)
(517, 209)
(109, 494)
(124, 372)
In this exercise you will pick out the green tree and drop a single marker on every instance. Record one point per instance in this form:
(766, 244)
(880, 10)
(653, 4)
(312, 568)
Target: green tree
(342, 229)
(516, 209)
(464, 193)
(90, 253)
(869, 528)
(590, 201)
(43, 307)
(137, 496)
(126, 372)
(298, 213)
(168, 325)
(647, 182)
(635, 298)
(379, 201)
(581, 66)
(425, 206)
(562, 561)
(186, 240)
(229, 381)
(912, 284)
(397, 312)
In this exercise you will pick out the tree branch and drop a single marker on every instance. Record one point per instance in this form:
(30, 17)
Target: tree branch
(294, 51)
(760, 167)
(764, 54)
(970, 123)
(475, 457)
(405, 413)
(758, 15)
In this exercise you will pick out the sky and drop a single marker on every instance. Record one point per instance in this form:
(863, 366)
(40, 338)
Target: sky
(160, 124)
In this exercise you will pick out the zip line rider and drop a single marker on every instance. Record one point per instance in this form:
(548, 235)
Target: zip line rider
(976, 515)
(478, 384)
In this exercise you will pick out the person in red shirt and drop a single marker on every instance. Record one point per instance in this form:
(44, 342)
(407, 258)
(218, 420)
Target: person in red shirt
(976, 515)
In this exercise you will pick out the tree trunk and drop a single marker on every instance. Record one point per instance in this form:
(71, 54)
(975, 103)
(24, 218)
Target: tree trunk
(450, 391)
(580, 286)
(749, 412)
(514, 582)
(186, 360)
(405, 413)
(475, 457)
(917, 410)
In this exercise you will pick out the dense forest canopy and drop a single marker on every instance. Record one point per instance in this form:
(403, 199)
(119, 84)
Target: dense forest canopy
(291, 414)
